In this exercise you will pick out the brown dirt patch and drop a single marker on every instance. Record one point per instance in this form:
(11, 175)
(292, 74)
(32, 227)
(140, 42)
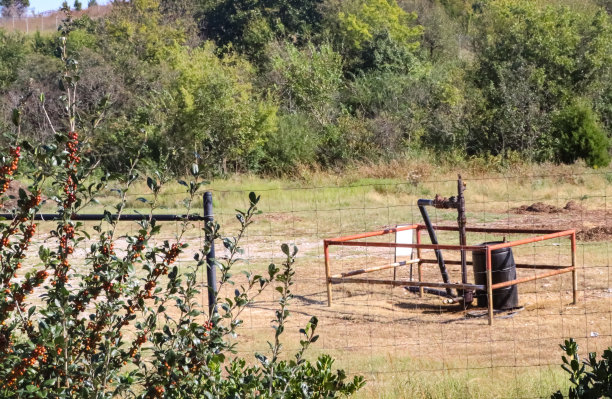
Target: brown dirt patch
(599, 233)
(590, 224)
(537, 207)
(573, 206)
(541, 207)
(280, 217)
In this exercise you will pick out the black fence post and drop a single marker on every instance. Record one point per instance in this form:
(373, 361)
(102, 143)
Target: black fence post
(211, 271)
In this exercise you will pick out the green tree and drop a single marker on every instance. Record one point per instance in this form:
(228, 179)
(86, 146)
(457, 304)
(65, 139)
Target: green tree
(531, 61)
(78, 6)
(365, 19)
(12, 8)
(92, 3)
(248, 25)
(217, 112)
(183, 10)
(443, 35)
(137, 28)
(374, 33)
(307, 79)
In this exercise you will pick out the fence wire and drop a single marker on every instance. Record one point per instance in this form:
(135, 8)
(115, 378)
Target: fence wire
(408, 346)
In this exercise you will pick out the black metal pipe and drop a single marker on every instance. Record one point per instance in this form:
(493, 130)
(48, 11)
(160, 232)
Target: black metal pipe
(98, 217)
(425, 202)
(422, 203)
(461, 222)
(211, 270)
(432, 291)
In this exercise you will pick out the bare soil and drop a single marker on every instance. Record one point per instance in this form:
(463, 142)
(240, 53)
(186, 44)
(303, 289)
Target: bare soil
(590, 224)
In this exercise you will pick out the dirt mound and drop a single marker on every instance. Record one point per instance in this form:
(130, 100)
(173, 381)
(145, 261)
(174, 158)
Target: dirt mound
(573, 206)
(540, 207)
(599, 233)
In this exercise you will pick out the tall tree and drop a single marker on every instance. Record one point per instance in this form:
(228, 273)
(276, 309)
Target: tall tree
(11, 8)
(250, 24)
(532, 61)
(78, 6)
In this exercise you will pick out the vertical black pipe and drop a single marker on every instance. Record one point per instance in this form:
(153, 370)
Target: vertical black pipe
(461, 221)
(434, 240)
(211, 271)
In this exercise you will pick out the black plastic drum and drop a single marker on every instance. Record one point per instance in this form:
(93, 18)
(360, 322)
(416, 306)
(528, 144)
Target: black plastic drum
(503, 269)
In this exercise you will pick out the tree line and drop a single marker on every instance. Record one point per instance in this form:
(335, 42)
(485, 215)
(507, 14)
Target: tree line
(270, 86)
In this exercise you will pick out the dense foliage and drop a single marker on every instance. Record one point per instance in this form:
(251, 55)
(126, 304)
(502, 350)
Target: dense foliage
(268, 86)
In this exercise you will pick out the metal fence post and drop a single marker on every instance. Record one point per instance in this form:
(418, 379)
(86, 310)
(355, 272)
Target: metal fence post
(211, 271)
(489, 285)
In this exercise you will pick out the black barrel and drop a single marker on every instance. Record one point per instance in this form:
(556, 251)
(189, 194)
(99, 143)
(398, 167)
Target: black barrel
(503, 269)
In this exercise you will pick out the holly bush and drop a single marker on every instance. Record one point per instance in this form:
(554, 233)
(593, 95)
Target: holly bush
(591, 378)
(104, 314)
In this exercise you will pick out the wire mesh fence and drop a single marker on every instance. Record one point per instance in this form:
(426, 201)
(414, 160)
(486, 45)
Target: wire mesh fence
(408, 345)
(404, 344)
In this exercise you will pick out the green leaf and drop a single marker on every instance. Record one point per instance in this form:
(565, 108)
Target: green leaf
(151, 184)
(16, 117)
(253, 198)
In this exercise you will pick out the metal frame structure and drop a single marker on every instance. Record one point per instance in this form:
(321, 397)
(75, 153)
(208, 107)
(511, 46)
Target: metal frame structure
(542, 235)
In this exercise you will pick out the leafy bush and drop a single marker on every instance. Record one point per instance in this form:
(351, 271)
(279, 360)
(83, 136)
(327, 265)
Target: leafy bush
(77, 342)
(384, 53)
(349, 139)
(423, 108)
(580, 135)
(12, 54)
(590, 379)
(294, 143)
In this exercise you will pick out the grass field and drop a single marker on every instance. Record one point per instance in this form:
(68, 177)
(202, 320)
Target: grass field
(411, 347)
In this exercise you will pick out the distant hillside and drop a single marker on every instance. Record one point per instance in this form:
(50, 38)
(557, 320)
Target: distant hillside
(48, 21)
